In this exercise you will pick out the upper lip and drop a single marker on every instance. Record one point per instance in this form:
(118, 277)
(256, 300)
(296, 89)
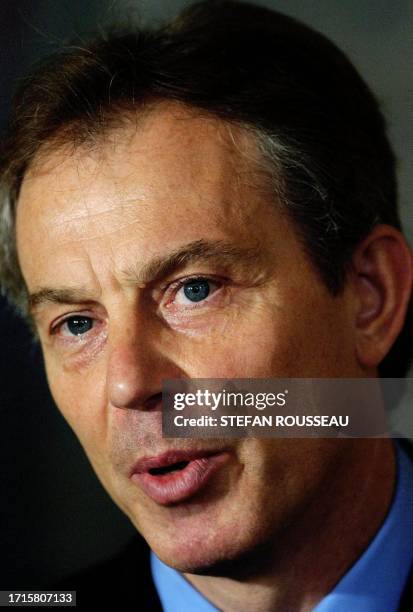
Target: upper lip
(169, 458)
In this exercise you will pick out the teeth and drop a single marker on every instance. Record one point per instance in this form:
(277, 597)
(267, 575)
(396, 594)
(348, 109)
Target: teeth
(174, 467)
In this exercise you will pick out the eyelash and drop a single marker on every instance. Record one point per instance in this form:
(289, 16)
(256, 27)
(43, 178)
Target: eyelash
(177, 285)
(172, 288)
(57, 327)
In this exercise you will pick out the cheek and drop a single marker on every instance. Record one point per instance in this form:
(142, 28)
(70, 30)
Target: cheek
(81, 400)
(312, 341)
(268, 342)
(281, 474)
(245, 355)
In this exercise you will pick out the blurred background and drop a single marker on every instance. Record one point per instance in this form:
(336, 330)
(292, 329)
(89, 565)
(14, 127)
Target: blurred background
(54, 516)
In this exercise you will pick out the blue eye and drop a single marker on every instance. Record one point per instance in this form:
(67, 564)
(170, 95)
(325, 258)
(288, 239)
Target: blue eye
(79, 325)
(196, 290)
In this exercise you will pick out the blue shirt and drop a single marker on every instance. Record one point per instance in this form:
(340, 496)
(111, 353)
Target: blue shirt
(373, 584)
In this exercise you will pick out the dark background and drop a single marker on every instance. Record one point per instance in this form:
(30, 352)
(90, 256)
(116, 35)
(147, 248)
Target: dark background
(55, 516)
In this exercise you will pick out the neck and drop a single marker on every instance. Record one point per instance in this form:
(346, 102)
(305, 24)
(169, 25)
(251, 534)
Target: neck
(319, 548)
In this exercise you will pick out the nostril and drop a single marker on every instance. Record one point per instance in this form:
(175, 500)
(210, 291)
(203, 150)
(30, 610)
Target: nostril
(154, 402)
(147, 402)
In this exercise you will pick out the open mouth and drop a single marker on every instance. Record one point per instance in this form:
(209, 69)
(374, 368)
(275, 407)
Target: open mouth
(176, 476)
(167, 469)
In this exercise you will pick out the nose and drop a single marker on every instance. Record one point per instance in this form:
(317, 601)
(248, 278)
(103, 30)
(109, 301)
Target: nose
(135, 371)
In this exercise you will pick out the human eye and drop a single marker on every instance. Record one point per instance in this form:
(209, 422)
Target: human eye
(73, 326)
(191, 292)
(194, 291)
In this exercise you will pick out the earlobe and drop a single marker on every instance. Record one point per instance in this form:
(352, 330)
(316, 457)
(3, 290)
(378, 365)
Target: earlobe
(382, 269)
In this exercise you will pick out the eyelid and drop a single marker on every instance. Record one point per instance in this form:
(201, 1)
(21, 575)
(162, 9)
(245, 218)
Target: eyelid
(55, 326)
(181, 280)
(177, 284)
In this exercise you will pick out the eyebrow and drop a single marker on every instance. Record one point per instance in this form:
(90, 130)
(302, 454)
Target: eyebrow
(221, 252)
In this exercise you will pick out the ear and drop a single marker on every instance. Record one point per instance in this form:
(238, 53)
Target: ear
(382, 274)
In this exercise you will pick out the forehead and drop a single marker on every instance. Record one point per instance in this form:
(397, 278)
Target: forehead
(172, 176)
(168, 147)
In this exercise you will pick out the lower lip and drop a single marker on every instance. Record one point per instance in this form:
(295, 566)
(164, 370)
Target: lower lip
(182, 484)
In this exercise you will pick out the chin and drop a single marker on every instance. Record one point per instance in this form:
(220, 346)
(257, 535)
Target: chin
(230, 552)
(237, 564)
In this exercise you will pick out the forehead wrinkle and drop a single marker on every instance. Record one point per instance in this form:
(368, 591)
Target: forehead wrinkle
(199, 250)
(90, 214)
(58, 295)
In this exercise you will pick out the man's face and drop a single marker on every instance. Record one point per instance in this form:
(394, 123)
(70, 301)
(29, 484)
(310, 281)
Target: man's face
(118, 232)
